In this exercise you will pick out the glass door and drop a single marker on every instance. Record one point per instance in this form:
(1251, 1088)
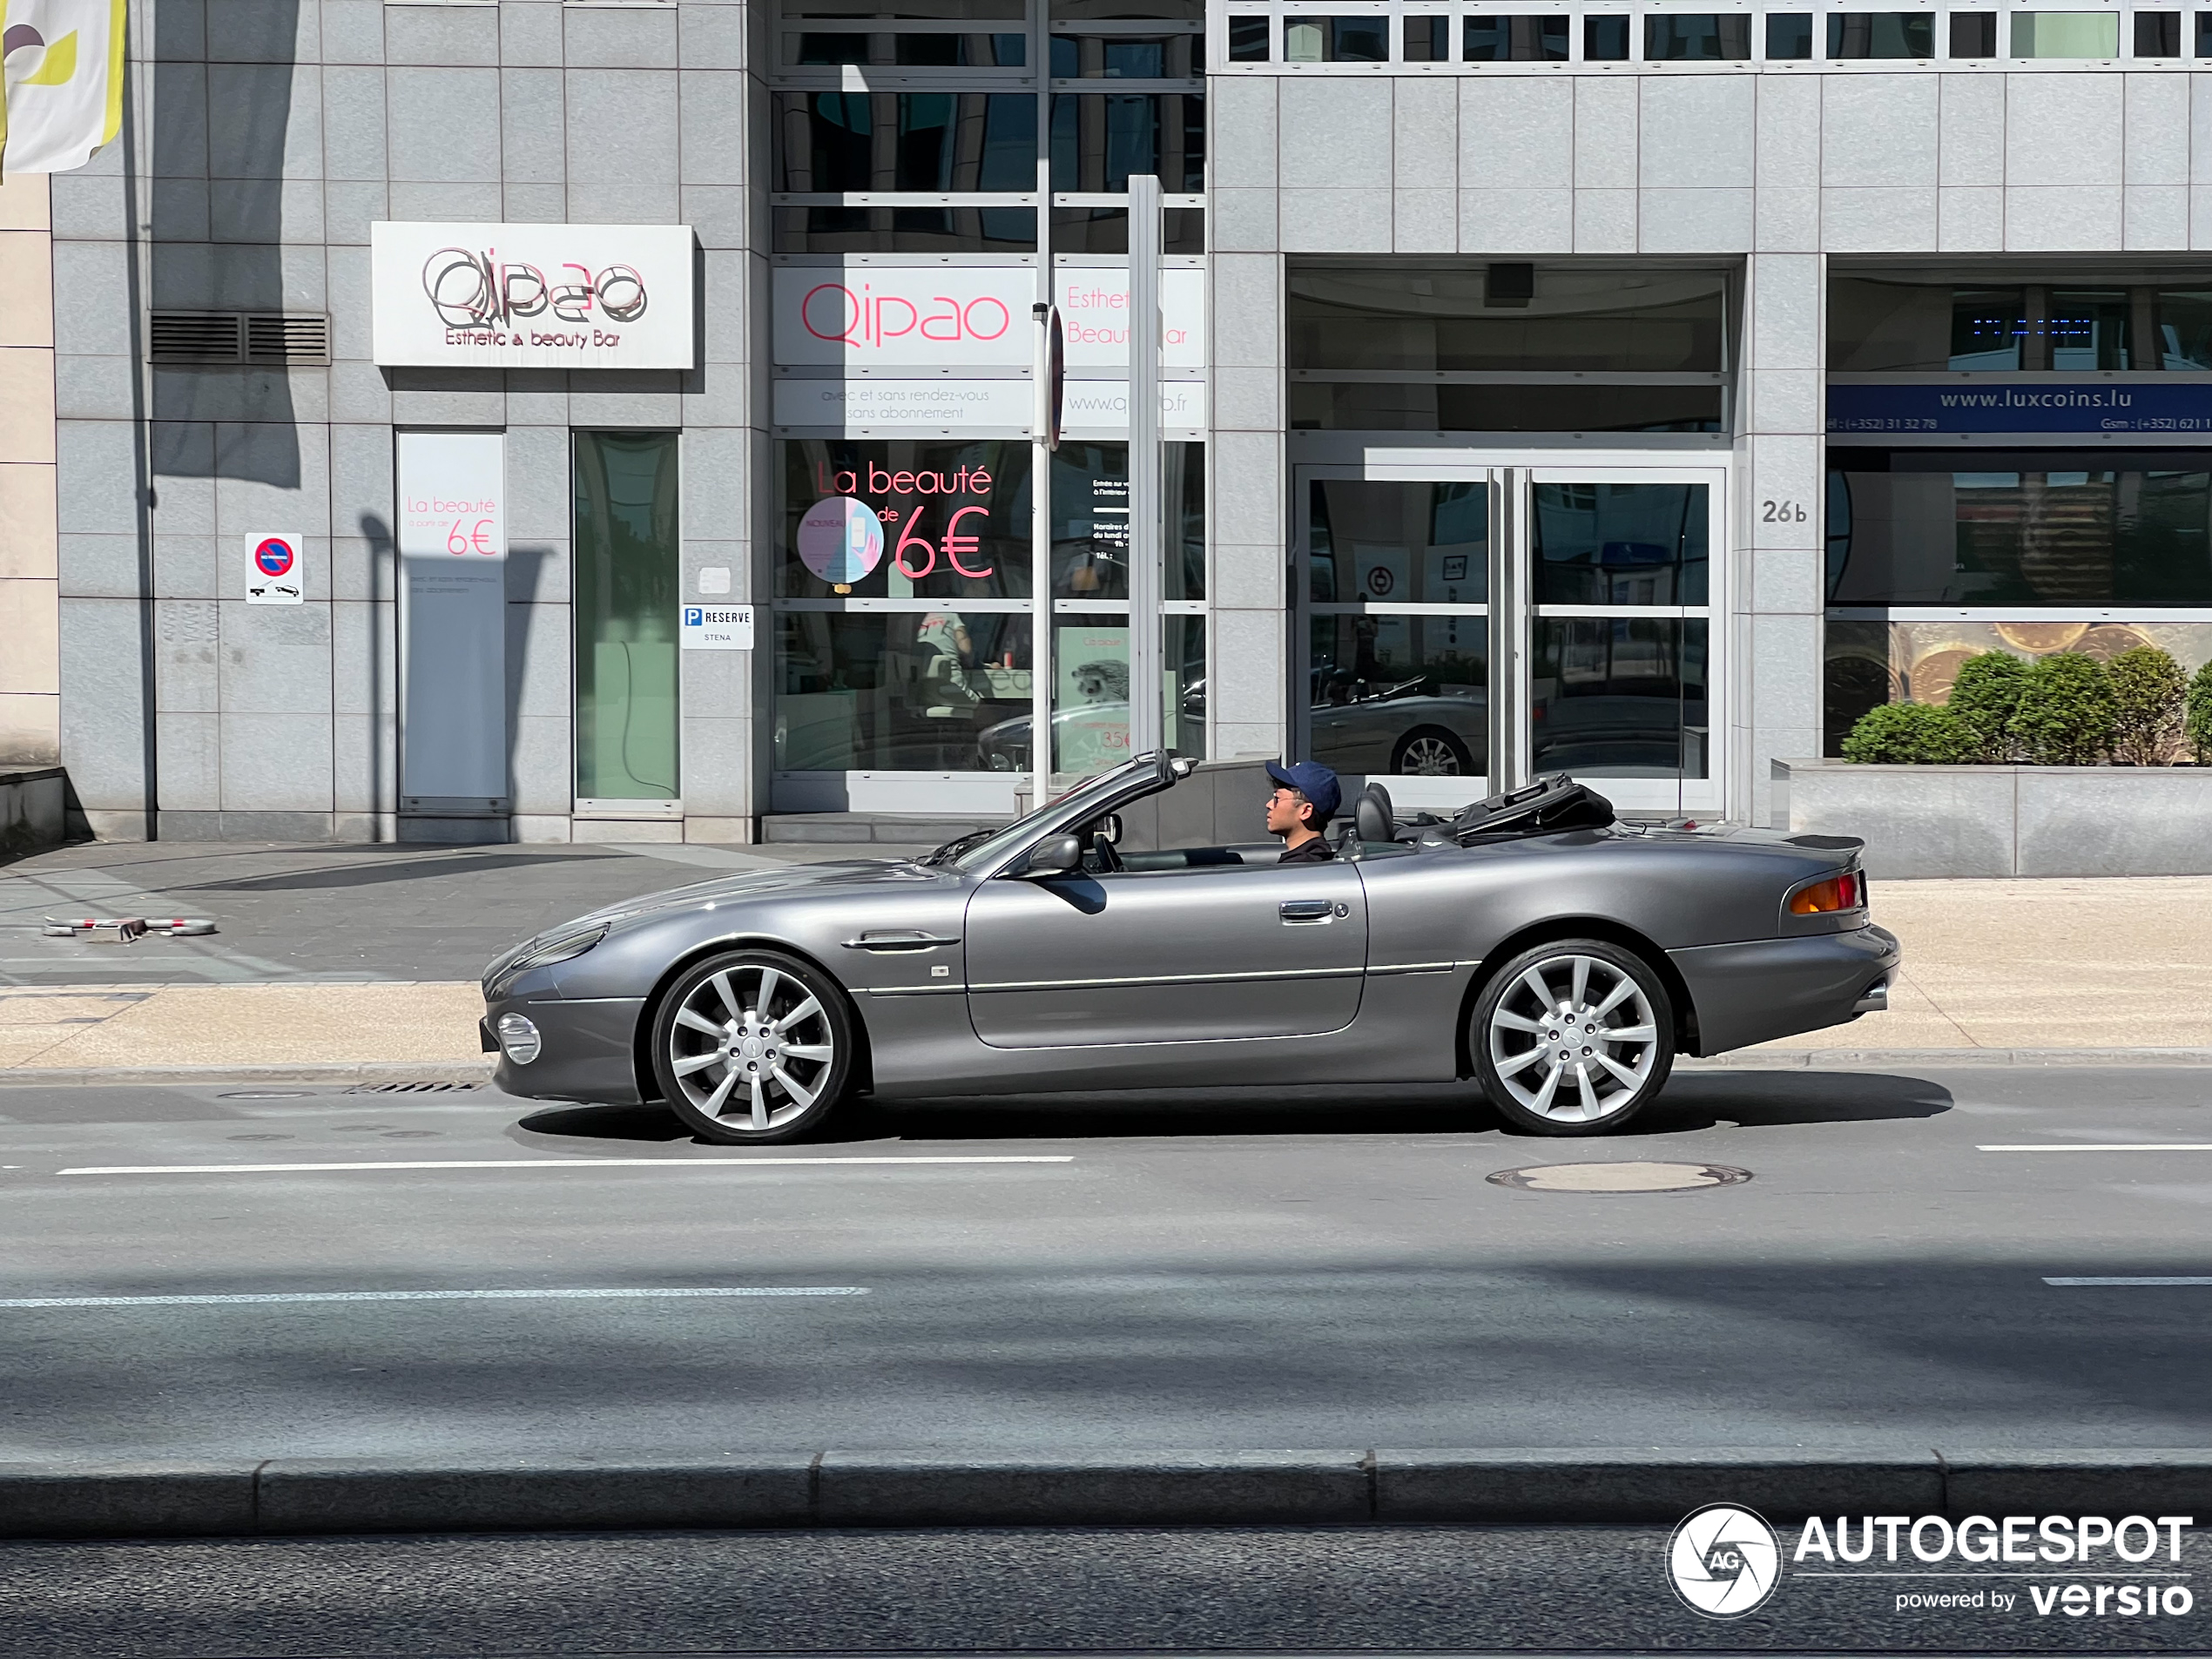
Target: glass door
(1465, 627)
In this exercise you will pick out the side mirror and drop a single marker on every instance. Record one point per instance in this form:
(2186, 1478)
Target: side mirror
(1055, 855)
(1110, 827)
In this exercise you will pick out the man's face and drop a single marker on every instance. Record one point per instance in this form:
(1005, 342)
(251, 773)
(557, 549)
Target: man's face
(1286, 810)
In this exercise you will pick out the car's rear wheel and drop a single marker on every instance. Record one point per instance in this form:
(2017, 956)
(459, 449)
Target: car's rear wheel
(1572, 1037)
(753, 1046)
(1431, 752)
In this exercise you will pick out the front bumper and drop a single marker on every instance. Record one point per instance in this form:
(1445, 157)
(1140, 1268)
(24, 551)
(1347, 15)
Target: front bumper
(1766, 989)
(588, 1049)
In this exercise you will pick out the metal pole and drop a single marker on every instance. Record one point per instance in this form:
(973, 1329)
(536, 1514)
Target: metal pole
(1146, 518)
(1041, 671)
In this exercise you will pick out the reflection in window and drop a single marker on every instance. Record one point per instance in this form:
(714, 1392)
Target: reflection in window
(1696, 37)
(932, 141)
(912, 690)
(1429, 40)
(2088, 328)
(625, 600)
(1619, 697)
(1605, 39)
(2029, 529)
(1517, 40)
(2185, 330)
(1248, 39)
(1986, 329)
(1788, 35)
(1405, 696)
(1128, 58)
(909, 50)
(1336, 40)
(1973, 34)
(1397, 543)
(1105, 230)
(1620, 544)
(1099, 139)
(1090, 521)
(2158, 34)
(2066, 34)
(905, 230)
(1881, 34)
(1886, 324)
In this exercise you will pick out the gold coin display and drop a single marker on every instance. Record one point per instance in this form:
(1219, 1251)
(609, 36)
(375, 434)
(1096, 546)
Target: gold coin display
(1933, 675)
(2040, 637)
(2108, 640)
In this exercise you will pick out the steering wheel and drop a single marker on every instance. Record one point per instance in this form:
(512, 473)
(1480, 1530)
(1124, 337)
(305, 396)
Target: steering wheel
(1100, 855)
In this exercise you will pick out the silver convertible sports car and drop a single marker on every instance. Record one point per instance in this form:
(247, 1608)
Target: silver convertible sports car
(1558, 959)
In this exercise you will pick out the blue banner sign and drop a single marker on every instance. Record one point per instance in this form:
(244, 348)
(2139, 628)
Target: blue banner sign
(2093, 406)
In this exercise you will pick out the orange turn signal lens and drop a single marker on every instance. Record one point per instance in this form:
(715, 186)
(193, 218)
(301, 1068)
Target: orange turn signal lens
(1838, 892)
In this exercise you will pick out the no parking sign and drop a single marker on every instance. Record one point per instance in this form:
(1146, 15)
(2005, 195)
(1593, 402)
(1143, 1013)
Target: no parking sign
(274, 572)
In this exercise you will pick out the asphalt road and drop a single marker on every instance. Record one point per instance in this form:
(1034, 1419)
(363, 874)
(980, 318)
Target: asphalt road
(1426, 1590)
(1212, 1273)
(333, 913)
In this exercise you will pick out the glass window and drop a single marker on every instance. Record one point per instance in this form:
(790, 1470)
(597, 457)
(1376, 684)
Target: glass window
(1099, 139)
(2184, 326)
(2066, 34)
(1336, 40)
(909, 50)
(2158, 34)
(625, 596)
(1881, 34)
(1428, 407)
(1131, 57)
(1089, 694)
(2023, 529)
(1619, 544)
(2088, 328)
(1788, 35)
(1973, 34)
(1429, 40)
(909, 11)
(1248, 39)
(902, 520)
(1517, 40)
(1696, 38)
(1397, 543)
(923, 141)
(1090, 521)
(1105, 230)
(2204, 34)
(905, 230)
(1988, 328)
(1128, 11)
(1618, 697)
(1605, 39)
(1405, 696)
(908, 690)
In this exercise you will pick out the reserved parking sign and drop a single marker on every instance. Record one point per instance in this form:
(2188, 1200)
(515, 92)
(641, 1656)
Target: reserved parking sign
(716, 628)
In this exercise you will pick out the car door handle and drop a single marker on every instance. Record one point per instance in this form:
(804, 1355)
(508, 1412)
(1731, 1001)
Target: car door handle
(1307, 910)
(883, 941)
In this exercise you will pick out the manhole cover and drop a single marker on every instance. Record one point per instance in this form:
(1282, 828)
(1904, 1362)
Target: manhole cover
(1632, 1176)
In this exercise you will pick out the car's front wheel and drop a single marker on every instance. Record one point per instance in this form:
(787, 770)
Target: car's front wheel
(752, 1046)
(1572, 1037)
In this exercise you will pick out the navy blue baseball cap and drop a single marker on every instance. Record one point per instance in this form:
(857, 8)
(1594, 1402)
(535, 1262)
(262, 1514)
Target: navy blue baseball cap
(1312, 779)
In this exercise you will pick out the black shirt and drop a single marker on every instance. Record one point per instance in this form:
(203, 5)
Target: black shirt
(1316, 851)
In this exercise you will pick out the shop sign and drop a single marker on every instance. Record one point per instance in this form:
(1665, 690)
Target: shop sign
(1094, 406)
(939, 405)
(716, 627)
(276, 572)
(2030, 406)
(1094, 305)
(532, 296)
(895, 316)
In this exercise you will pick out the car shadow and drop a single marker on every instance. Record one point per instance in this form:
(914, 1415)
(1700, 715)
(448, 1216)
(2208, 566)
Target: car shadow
(1693, 1102)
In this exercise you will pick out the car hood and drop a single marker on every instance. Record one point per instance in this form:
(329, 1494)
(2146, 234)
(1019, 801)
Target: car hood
(761, 884)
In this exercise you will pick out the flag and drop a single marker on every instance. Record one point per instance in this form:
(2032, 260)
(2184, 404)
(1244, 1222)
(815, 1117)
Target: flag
(61, 81)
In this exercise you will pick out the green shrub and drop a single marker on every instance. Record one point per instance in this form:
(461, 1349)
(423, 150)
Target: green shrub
(2198, 722)
(2147, 687)
(1984, 698)
(1906, 734)
(2066, 713)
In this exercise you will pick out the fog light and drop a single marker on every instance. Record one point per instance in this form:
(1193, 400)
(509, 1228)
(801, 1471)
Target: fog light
(518, 1037)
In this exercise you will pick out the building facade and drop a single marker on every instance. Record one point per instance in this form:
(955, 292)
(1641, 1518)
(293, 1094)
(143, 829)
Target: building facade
(618, 421)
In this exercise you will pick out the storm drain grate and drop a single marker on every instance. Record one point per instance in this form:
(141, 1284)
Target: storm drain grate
(412, 1089)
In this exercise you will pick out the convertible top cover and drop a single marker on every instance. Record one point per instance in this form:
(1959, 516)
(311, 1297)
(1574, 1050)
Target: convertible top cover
(1544, 807)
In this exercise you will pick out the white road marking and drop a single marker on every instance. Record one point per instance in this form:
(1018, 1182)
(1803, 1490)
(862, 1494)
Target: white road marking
(2129, 1281)
(537, 1163)
(2110, 1146)
(420, 1296)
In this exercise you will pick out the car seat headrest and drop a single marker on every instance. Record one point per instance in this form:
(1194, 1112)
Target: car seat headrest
(1372, 813)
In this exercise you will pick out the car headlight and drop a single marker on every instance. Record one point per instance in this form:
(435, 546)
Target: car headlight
(559, 949)
(518, 1037)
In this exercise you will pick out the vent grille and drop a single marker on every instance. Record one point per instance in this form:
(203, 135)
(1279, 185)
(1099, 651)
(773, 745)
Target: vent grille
(284, 338)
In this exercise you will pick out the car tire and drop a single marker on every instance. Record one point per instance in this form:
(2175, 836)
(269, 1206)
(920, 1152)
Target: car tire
(753, 1047)
(1431, 752)
(1585, 1058)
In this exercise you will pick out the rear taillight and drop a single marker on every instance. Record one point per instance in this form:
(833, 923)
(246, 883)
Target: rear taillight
(1845, 892)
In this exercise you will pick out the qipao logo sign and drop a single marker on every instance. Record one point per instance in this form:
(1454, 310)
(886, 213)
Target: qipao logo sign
(523, 296)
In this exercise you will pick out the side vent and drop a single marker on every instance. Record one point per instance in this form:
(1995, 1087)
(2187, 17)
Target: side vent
(288, 340)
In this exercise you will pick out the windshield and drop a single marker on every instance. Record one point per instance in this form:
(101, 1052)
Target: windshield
(984, 848)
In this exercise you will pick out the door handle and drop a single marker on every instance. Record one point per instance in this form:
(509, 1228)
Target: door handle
(1307, 910)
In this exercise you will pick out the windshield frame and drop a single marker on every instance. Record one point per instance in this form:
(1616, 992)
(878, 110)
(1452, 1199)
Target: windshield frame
(1134, 779)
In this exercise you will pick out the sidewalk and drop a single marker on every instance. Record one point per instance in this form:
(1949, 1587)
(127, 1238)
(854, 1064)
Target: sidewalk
(2118, 963)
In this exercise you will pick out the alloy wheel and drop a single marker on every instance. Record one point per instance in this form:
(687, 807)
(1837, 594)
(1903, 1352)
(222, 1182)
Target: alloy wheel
(1574, 1040)
(1429, 758)
(752, 1046)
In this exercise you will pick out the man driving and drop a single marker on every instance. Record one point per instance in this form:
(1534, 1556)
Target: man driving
(1305, 798)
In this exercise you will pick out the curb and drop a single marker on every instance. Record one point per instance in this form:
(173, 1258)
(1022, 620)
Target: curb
(1866, 1059)
(298, 1496)
(430, 1071)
